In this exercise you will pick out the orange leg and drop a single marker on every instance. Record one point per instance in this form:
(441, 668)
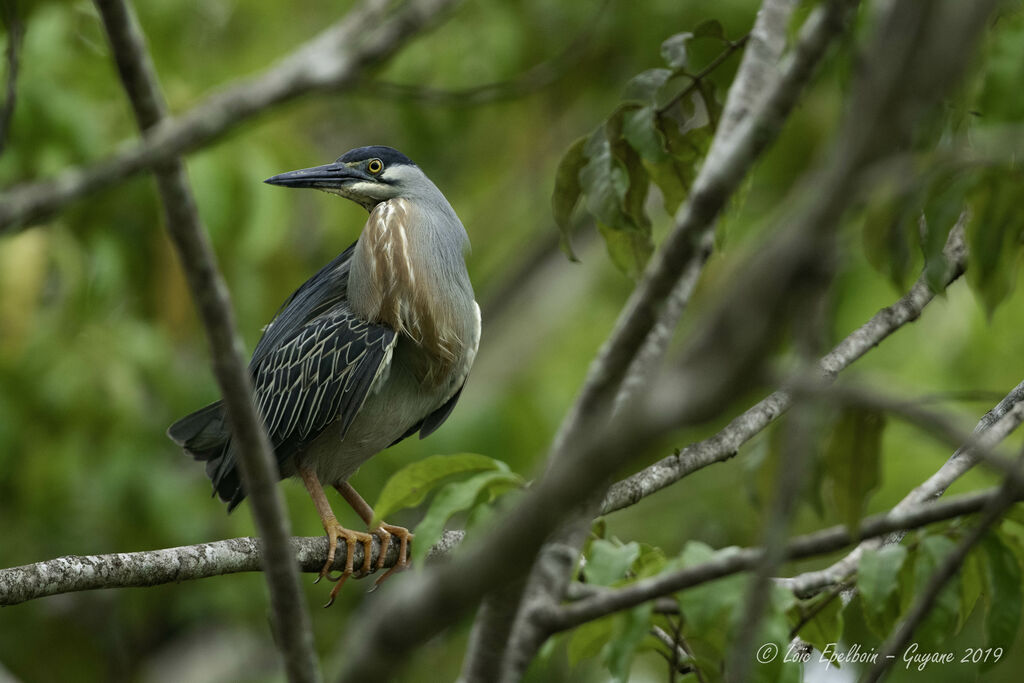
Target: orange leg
(334, 532)
(384, 531)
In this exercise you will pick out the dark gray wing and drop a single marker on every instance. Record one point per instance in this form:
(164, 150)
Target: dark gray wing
(321, 373)
(319, 294)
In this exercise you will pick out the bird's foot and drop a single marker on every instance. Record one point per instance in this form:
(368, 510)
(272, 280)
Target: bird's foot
(335, 532)
(385, 532)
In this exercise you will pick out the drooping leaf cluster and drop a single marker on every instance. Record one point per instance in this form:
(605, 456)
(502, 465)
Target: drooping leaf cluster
(964, 166)
(658, 134)
(988, 590)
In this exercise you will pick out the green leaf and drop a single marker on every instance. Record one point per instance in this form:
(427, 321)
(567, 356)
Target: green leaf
(629, 249)
(942, 618)
(604, 181)
(608, 562)
(643, 87)
(852, 468)
(454, 497)
(944, 203)
(410, 485)
(631, 627)
(994, 235)
(567, 193)
(707, 610)
(640, 130)
(709, 28)
(887, 223)
(588, 640)
(1002, 619)
(674, 180)
(673, 50)
(1016, 513)
(878, 581)
(634, 200)
(827, 624)
(651, 561)
(972, 584)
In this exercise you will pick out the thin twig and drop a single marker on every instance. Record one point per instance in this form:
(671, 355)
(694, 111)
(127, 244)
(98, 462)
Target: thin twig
(257, 463)
(990, 431)
(809, 616)
(695, 80)
(331, 62)
(978, 446)
(676, 659)
(725, 443)
(995, 508)
(734, 561)
(15, 34)
(537, 77)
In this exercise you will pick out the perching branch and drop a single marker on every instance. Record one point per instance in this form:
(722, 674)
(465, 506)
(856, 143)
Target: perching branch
(256, 460)
(184, 563)
(331, 62)
(731, 561)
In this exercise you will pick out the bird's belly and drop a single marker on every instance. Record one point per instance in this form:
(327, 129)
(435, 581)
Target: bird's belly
(390, 410)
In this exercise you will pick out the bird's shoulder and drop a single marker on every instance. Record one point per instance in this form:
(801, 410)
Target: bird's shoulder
(323, 294)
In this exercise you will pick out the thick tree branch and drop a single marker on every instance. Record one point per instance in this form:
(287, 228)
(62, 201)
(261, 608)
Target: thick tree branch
(725, 443)
(724, 356)
(731, 561)
(670, 274)
(758, 70)
(331, 62)
(256, 460)
(755, 78)
(184, 563)
(712, 188)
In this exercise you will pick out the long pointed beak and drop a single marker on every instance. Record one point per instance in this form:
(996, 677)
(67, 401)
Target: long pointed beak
(327, 176)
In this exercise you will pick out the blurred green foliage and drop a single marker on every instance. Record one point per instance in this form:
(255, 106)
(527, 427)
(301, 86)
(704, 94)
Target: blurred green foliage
(100, 349)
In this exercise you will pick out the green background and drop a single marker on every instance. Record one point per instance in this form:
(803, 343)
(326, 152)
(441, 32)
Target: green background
(100, 348)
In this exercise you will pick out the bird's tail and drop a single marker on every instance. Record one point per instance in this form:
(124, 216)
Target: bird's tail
(205, 436)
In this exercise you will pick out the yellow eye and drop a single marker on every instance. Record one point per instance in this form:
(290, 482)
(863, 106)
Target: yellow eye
(375, 166)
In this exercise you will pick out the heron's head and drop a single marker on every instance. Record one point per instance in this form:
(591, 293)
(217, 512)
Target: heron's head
(366, 175)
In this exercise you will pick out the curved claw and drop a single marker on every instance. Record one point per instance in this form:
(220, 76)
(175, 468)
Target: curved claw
(385, 531)
(335, 532)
